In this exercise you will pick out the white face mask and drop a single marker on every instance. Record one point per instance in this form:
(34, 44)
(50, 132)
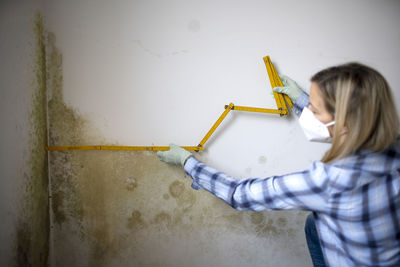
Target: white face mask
(314, 129)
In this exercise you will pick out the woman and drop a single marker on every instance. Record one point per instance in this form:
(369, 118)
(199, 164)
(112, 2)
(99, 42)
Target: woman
(353, 192)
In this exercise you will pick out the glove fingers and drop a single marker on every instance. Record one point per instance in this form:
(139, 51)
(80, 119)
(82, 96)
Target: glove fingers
(284, 79)
(282, 89)
(161, 155)
(175, 155)
(287, 81)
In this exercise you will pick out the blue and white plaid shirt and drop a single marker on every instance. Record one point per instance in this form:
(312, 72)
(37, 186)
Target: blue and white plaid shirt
(355, 200)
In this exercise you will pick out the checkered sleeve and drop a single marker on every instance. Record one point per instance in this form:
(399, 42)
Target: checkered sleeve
(293, 191)
(302, 101)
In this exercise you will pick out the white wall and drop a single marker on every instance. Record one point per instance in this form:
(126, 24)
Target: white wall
(154, 72)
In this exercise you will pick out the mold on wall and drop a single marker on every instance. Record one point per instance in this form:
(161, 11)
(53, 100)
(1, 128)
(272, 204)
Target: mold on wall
(120, 208)
(32, 226)
(124, 208)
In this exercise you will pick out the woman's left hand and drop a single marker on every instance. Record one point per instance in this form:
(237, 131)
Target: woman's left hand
(175, 155)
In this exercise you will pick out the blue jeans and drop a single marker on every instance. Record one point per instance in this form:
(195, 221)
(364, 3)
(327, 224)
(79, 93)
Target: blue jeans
(313, 242)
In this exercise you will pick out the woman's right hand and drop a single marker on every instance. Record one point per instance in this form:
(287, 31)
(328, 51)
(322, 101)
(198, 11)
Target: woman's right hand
(289, 88)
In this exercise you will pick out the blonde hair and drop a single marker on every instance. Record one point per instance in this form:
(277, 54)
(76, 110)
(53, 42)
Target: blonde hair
(361, 102)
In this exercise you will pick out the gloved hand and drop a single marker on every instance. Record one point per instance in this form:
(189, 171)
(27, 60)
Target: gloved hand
(289, 88)
(175, 155)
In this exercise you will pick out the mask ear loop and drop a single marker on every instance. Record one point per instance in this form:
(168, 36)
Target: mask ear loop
(330, 123)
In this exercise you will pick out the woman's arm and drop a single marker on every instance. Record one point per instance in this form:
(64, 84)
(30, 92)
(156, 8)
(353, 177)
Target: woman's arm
(298, 191)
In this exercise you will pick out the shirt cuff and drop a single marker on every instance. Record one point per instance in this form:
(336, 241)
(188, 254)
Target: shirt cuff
(189, 165)
(301, 102)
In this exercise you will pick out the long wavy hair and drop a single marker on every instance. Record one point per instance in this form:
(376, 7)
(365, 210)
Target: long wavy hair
(361, 102)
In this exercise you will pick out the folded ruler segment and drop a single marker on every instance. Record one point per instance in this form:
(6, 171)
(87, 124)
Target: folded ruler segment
(282, 103)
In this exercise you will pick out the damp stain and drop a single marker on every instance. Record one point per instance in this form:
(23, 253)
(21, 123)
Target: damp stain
(176, 189)
(33, 223)
(234, 221)
(135, 221)
(269, 228)
(58, 213)
(282, 221)
(23, 245)
(131, 184)
(262, 160)
(78, 187)
(185, 198)
(64, 128)
(163, 219)
(272, 227)
(257, 218)
(123, 204)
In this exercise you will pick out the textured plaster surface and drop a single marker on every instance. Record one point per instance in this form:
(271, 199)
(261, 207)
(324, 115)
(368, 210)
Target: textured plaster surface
(128, 208)
(32, 226)
(121, 208)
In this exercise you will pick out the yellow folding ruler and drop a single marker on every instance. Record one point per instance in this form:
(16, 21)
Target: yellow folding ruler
(282, 102)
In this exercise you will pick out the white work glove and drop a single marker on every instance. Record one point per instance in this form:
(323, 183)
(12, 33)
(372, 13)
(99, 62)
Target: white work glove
(289, 88)
(175, 155)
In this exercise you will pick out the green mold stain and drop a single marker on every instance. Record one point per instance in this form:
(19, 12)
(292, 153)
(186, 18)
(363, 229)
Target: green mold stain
(176, 188)
(64, 127)
(33, 226)
(163, 219)
(120, 202)
(282, 221)
(257, 218)
(93, 195)
(135, 221)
